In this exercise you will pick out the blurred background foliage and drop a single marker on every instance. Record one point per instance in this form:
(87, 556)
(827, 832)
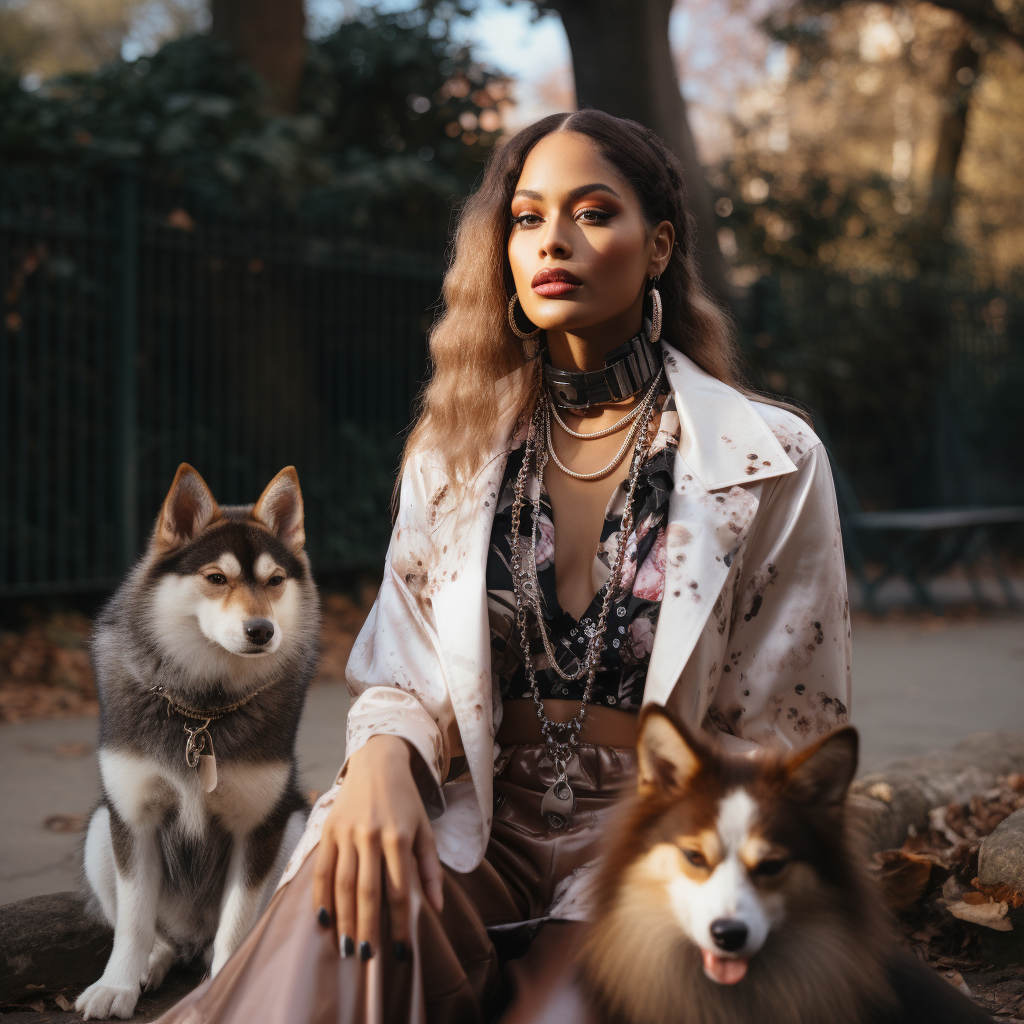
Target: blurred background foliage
(391, 119)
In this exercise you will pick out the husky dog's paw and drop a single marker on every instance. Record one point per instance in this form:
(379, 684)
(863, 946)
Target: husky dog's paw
(100, 1001)
(160, 962)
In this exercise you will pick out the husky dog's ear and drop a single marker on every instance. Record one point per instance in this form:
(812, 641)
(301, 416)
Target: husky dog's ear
(667, 755)
(187, 510)
(279, 509)
(822, 772)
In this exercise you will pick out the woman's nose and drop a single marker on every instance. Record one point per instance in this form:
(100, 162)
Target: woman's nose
(556, 241)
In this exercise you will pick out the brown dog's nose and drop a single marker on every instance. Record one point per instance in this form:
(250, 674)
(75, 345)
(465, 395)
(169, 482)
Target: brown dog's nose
(259, 631)
(729, 934)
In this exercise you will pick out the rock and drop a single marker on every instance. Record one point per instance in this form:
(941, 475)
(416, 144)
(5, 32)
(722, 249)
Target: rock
(1001, 857)
(888, 803)
(49, 944)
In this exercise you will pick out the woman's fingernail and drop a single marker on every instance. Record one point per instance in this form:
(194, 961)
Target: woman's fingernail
(348, 947)
(365, 950)
(400, 951)
(323, 917)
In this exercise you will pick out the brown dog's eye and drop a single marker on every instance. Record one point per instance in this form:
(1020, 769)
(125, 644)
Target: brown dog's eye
(276, 581)
(216, 578)
(767, 868)
(696, 858)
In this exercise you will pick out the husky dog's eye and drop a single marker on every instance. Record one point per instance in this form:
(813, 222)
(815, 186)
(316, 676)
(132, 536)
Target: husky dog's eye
(696, 858)
(768, 868)
(216, 577)
(276, 581)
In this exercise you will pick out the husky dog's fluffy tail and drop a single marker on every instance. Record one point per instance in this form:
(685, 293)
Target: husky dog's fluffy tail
(202, 659)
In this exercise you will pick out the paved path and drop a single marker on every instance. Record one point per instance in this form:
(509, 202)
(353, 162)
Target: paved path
(917, 686)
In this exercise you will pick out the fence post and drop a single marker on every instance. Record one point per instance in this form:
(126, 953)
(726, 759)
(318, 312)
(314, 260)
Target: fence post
(126, 349)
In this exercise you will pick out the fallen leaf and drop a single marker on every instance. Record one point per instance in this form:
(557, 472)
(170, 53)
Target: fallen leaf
(65, 822)
(63, 1002)
(903, 877)
(991, 915)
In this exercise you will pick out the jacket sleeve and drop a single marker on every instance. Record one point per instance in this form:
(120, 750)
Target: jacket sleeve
(786, 670)
(394, 672)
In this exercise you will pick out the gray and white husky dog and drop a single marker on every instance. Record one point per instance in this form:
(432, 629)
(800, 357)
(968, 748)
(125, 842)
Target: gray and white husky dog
(202, 659)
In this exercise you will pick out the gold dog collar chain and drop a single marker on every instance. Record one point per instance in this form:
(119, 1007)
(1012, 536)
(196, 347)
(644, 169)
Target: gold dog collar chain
(199, 739)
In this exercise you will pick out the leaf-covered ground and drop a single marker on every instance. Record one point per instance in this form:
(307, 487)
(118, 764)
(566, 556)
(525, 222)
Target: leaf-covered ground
(972, 934)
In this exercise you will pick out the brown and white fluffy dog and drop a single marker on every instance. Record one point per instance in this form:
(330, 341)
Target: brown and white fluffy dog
(731, 893)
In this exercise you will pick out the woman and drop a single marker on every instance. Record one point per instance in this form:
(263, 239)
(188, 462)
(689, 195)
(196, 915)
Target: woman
(556, 424)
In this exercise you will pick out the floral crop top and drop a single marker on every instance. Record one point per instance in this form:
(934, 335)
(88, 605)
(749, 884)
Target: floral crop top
(633, 614)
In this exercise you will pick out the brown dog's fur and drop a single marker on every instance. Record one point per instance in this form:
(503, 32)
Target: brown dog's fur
(825, 964)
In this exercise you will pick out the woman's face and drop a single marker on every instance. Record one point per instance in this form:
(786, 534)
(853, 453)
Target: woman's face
(580, 249)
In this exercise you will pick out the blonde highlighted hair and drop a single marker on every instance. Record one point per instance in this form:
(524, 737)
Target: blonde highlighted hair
(472, 346)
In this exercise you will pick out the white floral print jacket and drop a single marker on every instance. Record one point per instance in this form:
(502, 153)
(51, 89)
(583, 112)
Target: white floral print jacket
(753, 637)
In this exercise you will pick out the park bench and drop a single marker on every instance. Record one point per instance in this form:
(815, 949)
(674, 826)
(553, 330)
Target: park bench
(920, 544)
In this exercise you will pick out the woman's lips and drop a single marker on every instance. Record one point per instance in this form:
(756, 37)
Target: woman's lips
(552, 283)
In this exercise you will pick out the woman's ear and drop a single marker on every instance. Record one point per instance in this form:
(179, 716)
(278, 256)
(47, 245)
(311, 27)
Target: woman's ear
(663, 238)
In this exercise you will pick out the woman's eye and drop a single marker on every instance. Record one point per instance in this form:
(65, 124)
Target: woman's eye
(216, 577)
(276, 581)
(696, 858)
(767, 868)
(592, 216)
(526, 220)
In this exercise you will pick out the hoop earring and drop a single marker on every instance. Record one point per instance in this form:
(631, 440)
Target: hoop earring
(655, 309)
(515, 327)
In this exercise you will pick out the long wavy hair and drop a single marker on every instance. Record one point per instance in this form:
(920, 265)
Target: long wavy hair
(472, 346)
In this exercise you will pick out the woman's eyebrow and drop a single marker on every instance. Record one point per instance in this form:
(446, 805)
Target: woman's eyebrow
(576, 193)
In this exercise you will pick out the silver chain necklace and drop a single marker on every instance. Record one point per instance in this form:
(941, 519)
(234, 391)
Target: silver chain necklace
(563, 738)
(619, 455)
(613, 429)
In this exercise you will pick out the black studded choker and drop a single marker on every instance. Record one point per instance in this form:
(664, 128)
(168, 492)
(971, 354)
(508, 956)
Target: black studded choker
(627, 370)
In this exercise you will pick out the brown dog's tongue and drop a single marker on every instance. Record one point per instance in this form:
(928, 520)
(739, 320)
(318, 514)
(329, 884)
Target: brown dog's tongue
(725, 972)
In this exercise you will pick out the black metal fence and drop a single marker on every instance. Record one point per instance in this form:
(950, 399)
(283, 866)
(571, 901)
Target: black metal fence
(141, 329)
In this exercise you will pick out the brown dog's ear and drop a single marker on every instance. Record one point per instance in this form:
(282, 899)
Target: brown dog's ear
(187, 510)
(279, 509)
(822, 772)
(667, 756)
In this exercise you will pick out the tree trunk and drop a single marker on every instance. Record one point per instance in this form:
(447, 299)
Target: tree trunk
(269, 35)
(963, 64)
(623, 64)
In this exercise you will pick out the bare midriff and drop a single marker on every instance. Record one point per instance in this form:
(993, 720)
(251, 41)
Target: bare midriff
(604, 726)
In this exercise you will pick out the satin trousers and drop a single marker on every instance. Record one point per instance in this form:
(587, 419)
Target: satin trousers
(458, 972)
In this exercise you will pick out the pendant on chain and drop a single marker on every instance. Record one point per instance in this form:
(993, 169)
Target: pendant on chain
(558, 805)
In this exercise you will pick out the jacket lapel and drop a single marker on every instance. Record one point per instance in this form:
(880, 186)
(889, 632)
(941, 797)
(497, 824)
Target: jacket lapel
(726, 450)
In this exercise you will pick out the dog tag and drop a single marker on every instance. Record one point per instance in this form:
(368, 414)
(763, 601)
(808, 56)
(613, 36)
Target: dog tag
(558, 805)
(208, 768)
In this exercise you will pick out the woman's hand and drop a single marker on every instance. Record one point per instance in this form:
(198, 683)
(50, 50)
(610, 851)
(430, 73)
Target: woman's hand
(378, 813)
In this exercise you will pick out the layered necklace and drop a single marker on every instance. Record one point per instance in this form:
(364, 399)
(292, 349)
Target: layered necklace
(563, 738)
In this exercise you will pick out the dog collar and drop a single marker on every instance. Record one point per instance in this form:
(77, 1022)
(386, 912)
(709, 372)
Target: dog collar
(627, 370)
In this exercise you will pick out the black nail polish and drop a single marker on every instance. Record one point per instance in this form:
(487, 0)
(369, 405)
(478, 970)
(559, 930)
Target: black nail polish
(323, 917)
(348, 947)
(365, 950)
(400, 951)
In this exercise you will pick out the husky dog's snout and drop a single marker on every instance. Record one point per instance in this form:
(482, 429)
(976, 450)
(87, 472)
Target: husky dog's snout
(729, 934)
(259, 631)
